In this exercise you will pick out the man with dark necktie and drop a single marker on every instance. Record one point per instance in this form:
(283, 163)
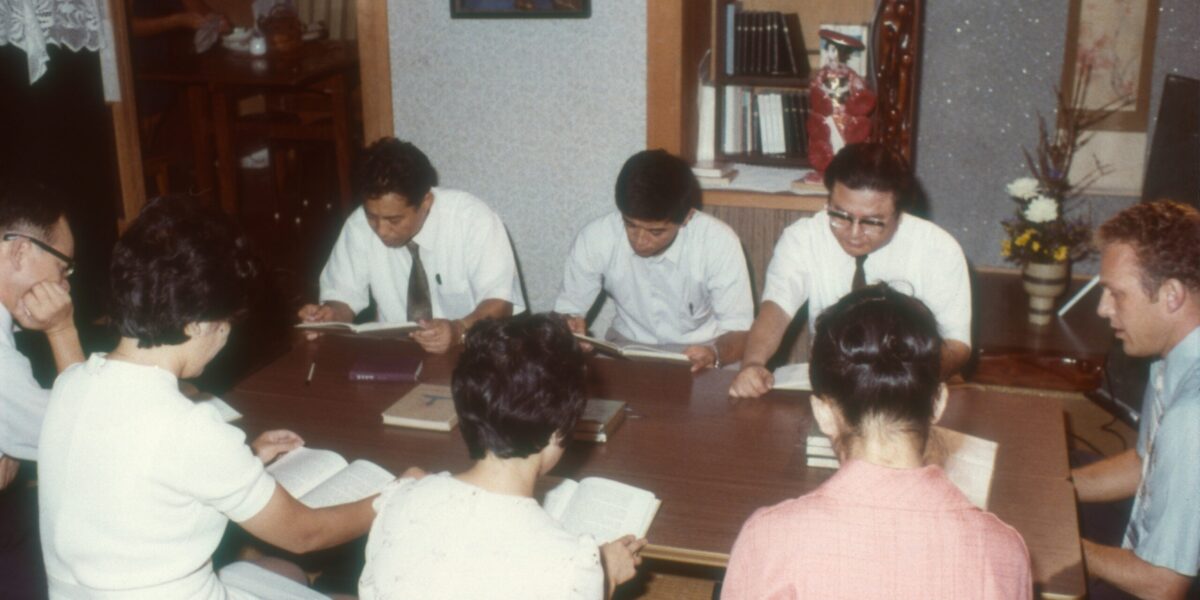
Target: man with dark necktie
(1150, 271)
(434, 256)
(863, 236)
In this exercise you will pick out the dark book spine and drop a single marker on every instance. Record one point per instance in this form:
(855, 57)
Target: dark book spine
(741, 25)
(801, 120)
(788, 52)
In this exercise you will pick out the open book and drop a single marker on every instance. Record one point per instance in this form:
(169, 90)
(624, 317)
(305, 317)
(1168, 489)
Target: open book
(320, 478)
(266, 585)
(793, 377)
(967, 460)
(633, 350)
(359, 327)
(603, 508)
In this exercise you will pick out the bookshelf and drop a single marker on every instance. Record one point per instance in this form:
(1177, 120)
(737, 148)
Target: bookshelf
(679, 32)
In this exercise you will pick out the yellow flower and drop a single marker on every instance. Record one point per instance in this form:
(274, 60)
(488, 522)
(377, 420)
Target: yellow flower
(1036, 246)
(1061, 254)
(1023, 239)
(1006, 248)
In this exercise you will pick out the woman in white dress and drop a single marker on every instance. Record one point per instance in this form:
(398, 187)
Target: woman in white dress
(518, 389)
(137, 482)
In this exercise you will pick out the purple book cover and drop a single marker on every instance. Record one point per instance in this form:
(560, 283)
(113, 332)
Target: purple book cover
(403, 369)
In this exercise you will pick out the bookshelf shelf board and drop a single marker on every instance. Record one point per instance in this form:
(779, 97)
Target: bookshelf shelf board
(749, 199)
(795, 161)
(764, 81)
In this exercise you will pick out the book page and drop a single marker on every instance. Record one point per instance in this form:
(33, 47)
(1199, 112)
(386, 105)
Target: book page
(338, 325)
(261, 583)
(383, 326)
(608, 510)
(303, 469)
(358, 480)
(793, 377)
(967, 460)
(227, 412)
(556, 500)
(637, 351)
(601, 346)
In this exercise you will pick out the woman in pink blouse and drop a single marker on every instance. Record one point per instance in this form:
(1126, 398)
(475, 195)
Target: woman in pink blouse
(885, 525)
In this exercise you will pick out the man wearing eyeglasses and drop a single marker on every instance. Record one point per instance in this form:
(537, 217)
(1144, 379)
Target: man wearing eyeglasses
(863, 236)
(36, 249)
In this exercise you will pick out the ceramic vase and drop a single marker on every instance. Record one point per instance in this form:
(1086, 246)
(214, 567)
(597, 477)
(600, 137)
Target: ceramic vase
(1044, 282)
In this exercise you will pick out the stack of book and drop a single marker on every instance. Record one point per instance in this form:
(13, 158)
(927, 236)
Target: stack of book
(425, 407)
(600, 419)
(760, 42)
(765, 122)
(710, 173)
(818, 449)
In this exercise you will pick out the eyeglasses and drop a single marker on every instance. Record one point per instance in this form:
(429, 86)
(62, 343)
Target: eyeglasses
(839, 219)
(68, 262)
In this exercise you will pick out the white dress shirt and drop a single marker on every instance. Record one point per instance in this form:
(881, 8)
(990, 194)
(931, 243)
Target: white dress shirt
(921, 259)
(22, 399)
(439, 538)
(692, 293)
(136, 484)
(463, 246)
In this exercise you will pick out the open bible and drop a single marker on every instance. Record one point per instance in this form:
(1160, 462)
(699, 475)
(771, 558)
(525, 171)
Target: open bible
(633, 351)
(603, 508)
(320, 478)
(359, 327)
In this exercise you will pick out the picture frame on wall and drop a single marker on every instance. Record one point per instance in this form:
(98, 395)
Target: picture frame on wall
(520, 9)
(1115, 40)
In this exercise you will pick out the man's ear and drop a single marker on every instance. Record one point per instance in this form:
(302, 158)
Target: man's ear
(1174, 294)
(939, 404)
(829, 418)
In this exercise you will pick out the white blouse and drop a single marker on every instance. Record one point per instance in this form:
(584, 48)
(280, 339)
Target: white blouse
(137, 483)
(441, 538)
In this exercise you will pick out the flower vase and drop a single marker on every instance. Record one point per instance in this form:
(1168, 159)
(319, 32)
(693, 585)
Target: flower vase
(1044, 282)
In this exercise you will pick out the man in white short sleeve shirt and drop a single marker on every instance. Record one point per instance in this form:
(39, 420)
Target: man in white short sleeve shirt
(862, 237)
(464, 269)
(36, 257)
(677, 276)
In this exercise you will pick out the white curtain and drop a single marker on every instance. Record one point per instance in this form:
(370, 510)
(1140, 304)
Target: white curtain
(32, 25)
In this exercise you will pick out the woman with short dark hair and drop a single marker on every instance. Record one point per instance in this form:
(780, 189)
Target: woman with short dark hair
(885, 525)
(518, 389)
(137, 482)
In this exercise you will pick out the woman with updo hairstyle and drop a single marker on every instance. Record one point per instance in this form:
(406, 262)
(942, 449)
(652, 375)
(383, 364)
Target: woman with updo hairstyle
(518, 389)
(885, 525)
(137, 482)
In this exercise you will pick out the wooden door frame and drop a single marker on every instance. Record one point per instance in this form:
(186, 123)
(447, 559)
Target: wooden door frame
(374, 70)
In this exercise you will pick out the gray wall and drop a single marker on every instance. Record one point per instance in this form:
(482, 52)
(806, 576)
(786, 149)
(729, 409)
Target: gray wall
(988, 68)
(534, 116)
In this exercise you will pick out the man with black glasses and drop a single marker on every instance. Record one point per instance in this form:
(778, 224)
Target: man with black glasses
(863, 236)
(36, 250)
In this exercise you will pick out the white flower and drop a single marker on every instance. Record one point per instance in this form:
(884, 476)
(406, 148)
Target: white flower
(1041, 210)
(1024, 188)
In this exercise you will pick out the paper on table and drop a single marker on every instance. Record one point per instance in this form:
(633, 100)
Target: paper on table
(793, 377)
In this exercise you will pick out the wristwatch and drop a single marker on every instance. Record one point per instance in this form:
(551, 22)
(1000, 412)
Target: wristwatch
(717, 353)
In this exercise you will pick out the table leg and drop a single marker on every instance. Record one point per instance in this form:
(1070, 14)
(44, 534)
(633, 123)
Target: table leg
(226, 161)
(202, 152)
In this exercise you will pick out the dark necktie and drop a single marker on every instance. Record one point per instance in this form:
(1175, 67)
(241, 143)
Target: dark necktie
(419, 306)
(860, 277)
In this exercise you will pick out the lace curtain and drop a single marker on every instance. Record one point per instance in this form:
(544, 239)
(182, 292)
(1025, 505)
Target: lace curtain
(32, 25)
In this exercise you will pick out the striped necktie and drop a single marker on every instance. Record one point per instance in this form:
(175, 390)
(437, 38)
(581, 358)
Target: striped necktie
(419, 306)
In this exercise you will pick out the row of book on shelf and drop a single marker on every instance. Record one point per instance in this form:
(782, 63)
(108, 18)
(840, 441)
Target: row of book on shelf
(761, 42)
(765, 122)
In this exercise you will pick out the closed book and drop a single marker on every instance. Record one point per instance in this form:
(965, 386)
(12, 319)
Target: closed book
(425, 407)
(730, 37)
(789, 52)
(599, 420)
(711, 169)
(386, 369)
(718, 181)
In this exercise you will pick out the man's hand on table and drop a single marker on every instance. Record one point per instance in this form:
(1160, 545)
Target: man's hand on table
(702, 357)
(436, 336)
(751, 382)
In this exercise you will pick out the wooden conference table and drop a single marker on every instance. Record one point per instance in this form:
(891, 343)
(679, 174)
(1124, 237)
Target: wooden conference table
(711, 460)
(217, 78)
